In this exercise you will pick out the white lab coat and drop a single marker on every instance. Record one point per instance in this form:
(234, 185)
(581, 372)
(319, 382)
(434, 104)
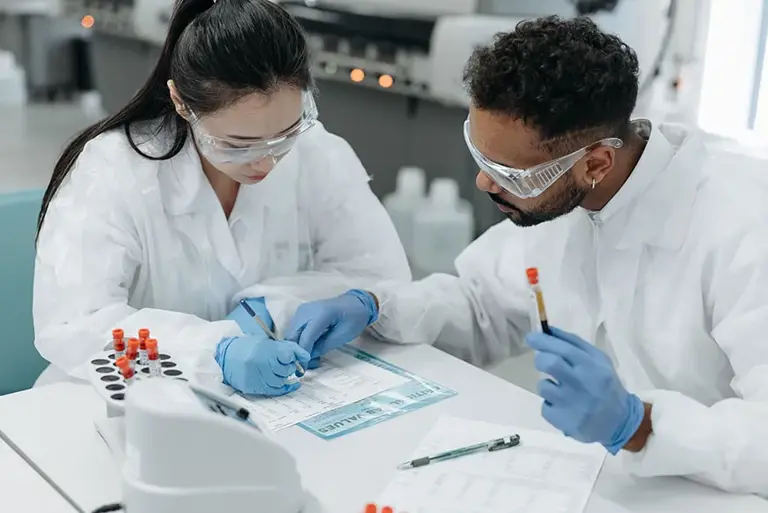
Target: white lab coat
(131, 243)
(670, 279)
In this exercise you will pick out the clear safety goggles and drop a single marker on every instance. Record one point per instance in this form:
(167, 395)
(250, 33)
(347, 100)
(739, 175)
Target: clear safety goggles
(243, 151)
(531, 182)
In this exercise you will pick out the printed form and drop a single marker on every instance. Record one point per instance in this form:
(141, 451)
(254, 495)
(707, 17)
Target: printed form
(546, 473)
(341, 380)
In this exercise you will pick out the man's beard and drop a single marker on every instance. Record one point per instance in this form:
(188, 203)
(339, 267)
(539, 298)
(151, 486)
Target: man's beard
(563, 204)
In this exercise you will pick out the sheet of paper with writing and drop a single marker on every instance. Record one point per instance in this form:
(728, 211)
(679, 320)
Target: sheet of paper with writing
(546, 473)
(341, 380)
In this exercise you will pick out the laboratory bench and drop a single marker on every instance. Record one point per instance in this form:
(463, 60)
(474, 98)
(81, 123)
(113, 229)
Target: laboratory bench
(23, 489)
(53, 427)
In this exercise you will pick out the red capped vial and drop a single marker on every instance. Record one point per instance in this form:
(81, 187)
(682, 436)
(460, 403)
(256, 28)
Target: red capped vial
(153, 357)
(132, 353)
(126, 369)
(118, 342)
(143, 337)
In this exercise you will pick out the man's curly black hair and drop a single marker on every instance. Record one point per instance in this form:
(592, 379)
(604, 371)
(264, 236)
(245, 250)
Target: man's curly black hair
(565, 78)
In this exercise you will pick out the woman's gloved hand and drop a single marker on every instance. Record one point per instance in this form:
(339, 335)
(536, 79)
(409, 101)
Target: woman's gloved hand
(247, 323)
(585, 399)
(257, 365)
(322, 326)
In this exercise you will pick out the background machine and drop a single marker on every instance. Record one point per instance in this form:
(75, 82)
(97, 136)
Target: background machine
(389, 71)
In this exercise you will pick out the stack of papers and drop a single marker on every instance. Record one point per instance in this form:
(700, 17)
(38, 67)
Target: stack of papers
(546, 473)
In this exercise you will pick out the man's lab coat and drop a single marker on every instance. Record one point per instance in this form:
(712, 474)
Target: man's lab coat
(670, 279)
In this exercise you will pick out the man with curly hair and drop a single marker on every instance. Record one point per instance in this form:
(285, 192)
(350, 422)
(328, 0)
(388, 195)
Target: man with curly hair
(653, 254)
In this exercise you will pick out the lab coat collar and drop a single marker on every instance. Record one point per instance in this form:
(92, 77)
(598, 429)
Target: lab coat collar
(654, 205)
(184, 185)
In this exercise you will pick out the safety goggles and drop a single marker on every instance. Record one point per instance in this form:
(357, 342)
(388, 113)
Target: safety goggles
(220, 150)
(531, 182)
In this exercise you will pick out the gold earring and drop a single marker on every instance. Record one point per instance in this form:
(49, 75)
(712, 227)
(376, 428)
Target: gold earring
(593, 184)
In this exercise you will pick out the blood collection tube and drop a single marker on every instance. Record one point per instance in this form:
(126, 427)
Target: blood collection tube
(118, 342)
(538, 297)
(133, 351)
(143, 336)
(126, 369)
(153, 357)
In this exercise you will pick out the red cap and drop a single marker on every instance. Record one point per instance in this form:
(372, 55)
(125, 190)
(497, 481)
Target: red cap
(133, 343)
(123, 362)
(387, 509)
(371, 508)
(533, 275)
(152, 343)
(118, 333)
(144, 333)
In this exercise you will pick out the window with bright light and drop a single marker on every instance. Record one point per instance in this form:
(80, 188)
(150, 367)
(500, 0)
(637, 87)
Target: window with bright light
(729, 70)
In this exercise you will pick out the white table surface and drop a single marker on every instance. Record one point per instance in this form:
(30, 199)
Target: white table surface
(23, 489)
(54, 427)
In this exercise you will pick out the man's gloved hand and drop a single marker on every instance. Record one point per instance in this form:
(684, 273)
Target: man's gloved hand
(248, 324)
(322, 326)
(586, 400)
(257, 365)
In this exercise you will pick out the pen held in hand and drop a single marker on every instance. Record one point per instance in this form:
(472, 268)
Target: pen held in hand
(266, 329)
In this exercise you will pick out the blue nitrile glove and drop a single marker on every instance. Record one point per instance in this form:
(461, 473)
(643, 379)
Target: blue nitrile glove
(247, 323)
(322, 326)
(257, 365)
(587, 400)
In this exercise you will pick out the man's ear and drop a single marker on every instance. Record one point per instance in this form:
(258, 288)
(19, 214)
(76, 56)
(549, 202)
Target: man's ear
(598, 163)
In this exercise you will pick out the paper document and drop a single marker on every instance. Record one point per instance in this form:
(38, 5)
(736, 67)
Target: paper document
(546, 473)
(341, 380)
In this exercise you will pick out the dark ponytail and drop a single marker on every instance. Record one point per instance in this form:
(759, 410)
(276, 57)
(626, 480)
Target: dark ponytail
(216, 54)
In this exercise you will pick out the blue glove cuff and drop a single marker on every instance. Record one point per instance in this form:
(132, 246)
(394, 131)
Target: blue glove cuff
(221, 350)
(630, 427)
(368, 301)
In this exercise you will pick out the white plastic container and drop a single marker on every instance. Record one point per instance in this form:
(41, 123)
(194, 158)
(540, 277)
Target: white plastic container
(13, 89)
(403, 203)
(443, 228)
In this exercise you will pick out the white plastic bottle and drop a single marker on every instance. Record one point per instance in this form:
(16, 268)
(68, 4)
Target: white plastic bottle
(443, 228)
(13, 89)
(403, 203)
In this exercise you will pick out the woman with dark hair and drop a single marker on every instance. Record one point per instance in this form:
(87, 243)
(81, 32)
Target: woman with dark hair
(215, 183)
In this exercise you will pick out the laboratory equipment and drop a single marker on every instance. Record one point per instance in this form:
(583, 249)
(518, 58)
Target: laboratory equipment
(403, 203)
(13, 91)
(111, 374)
(443, 228)
(171, 463)
(52, 49)
(539, 309)
(143, 336)
(153, 358)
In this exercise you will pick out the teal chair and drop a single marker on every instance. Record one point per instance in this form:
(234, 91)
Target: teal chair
(20, 363)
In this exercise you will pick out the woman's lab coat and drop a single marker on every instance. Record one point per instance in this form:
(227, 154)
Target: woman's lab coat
(131, 243)
(670, 279)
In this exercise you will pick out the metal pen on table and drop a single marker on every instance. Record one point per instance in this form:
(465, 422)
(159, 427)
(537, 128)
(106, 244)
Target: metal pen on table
(533, 281)
(269, 332)
(491, 446)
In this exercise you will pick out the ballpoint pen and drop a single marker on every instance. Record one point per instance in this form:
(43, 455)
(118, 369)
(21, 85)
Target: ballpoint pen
(490, 446)
(266, 329)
